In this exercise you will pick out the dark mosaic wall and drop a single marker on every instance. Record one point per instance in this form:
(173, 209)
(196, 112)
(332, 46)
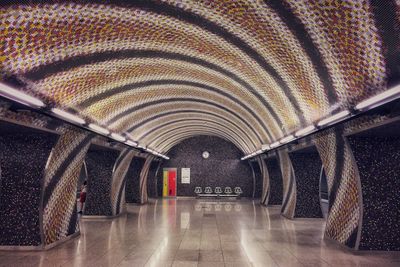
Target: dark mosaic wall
(378, 161)
(275, 180)
(100, 163)
(222, 168)
(258, 178)
(23, 157)
(132, 186)
(152, 182)
(307, 167)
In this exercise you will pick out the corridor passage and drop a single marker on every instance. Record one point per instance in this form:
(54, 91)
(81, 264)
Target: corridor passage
(189, 232)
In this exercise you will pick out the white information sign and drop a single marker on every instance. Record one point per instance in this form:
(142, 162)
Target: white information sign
(185, 177)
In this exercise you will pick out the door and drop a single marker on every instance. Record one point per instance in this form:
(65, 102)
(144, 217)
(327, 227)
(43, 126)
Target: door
(165, 183)
(172, 183)
(169, 182)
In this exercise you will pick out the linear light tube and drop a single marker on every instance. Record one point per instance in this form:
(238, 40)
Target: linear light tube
(259, 151)
(265, 147)
(99, 129)
(118, 137)
(273, 145)
(334, 118)
(131, 143)
(379, 99)
(286, 139)
(20, 97)
(68, 116)
(305, 131)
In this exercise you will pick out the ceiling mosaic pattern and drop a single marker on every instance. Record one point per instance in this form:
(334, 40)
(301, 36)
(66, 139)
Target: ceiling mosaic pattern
(247, 71)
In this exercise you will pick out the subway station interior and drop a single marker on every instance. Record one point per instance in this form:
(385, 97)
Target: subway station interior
(200, 133)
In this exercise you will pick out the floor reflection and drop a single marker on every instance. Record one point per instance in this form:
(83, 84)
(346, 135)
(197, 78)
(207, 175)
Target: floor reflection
(199, 232)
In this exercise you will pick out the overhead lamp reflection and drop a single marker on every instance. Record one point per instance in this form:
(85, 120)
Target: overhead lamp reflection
(20, 97)
(68, 116)
(99, 129)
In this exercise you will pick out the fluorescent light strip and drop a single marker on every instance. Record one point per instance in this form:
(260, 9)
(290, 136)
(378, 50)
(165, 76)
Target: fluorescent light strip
(379, 99)
(99, 129)
(305, 131)
(20, 97)
(131, 143)
(259, 151)
(334, 118)
(286, 139)
(118, 137)
(68, 116)
(265, 147)
(273, 145)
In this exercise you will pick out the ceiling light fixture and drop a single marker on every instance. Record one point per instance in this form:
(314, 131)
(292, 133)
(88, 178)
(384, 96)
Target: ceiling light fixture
(118, 137)
(273, 145)
(379, 99)
(68, 116)
(305, 131)
(334, 118)
(131, 143)
(265, 147)
(20, 97)
(287, 139)
(99, 129)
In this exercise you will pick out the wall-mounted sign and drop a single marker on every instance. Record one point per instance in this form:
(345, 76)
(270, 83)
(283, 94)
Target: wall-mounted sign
(185, 177)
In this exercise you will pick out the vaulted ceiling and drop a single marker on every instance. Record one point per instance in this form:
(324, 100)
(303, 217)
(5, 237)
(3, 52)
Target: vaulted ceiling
(250, 72)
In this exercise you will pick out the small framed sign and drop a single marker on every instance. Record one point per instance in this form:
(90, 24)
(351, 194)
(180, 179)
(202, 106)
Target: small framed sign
(185, 177)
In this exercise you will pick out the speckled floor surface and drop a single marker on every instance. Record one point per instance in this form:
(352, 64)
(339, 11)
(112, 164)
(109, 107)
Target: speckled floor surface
(190, 232)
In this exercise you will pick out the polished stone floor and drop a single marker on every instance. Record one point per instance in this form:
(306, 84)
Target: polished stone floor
(190, 232)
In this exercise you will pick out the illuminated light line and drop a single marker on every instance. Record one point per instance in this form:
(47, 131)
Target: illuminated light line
(379, 99)
(20, 97)
(305, 131)
(68, 116)
(118, 137)
(334, 118)
(99, 129)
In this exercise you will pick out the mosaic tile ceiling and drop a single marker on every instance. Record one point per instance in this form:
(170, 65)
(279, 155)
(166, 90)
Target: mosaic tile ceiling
(247, 71)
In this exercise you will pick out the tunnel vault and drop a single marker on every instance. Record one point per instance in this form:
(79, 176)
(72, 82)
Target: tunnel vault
(161, 72)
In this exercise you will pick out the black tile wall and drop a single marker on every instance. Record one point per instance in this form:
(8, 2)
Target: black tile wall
(100, 162)
(275, 180)
(307, 168)
(378, 161)
(132, 187)
(23, 156)
(222, 168)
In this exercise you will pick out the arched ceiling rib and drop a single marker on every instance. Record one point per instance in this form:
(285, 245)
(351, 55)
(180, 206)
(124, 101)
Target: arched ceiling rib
(255, 71)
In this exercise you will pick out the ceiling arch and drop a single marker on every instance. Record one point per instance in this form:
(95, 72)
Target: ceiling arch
(255, 71)
(160, 134)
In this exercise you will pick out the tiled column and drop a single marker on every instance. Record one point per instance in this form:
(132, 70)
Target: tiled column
(289, 185)
(143, 180)
(275, 180)
(266, 181)
(152, 179)
(60, 185)
(119, 180)
(132, 187)
(307, 167)
(23, 158)
(378, 164)
(100, 162)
